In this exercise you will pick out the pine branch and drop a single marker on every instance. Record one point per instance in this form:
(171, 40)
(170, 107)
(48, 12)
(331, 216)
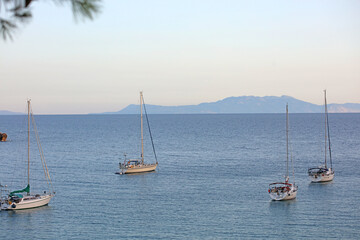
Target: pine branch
(85, 8)
(18, 11)
(7, 28)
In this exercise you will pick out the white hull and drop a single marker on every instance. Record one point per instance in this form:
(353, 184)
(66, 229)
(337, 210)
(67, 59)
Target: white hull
(27, 202)
(325, 177)
(139, 168)
(282, 196)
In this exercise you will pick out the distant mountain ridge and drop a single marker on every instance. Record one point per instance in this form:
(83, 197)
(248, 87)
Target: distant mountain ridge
(5, 112)
(244, 104)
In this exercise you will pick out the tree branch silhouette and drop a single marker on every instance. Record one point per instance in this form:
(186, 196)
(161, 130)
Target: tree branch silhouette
(16, 12)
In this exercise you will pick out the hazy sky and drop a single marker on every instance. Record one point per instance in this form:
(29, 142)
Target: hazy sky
(182, 52)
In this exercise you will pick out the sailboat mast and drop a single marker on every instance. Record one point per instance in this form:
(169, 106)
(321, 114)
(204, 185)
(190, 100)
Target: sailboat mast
(287, 143)
(28, 102)
(142, 130)
(325, 126)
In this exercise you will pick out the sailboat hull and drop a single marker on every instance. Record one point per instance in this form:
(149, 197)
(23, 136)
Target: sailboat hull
(140, 168)
(32, 201)
(289, 195)
(326, 177)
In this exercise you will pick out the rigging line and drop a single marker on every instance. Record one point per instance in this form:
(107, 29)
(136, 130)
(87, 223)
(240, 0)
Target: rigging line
(142, 128)
(287, 142)
(147, 120)
(292, 162)
(28, 148)
(326, 137)
(328, 130)
(291, 155)
(43, 161)
(21, 155)
(39, 147)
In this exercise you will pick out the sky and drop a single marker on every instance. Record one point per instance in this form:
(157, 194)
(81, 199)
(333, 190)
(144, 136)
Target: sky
(181, 52)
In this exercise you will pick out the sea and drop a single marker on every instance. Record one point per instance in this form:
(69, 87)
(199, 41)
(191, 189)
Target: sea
(211, 183)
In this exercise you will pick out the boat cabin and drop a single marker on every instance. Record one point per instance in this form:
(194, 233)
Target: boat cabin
(317, 171)
(130, 163)
(279, 187)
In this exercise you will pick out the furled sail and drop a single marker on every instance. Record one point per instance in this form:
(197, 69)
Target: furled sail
(27, 189)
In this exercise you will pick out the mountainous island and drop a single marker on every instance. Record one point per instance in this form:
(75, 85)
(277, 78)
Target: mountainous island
(242, 104)
(5, 112)
(245, 104)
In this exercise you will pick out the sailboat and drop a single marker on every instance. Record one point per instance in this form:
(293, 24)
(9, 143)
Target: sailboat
(138, 165)
(24, 199)
(323, 173)
(284, 190)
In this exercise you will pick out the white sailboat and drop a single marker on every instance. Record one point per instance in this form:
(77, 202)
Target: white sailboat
(24, 199)
(284, 190)
(138, 165)
(323, 173)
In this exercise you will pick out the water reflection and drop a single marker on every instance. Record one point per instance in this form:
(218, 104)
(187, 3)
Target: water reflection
(321, 183)
(277, 206)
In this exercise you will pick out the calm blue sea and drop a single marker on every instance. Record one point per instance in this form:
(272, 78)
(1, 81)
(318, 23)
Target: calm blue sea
(212, 180)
